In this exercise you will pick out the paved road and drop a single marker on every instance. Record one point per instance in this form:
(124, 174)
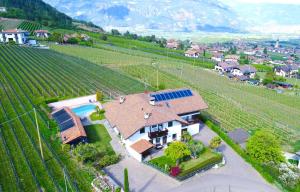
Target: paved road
(235, 176)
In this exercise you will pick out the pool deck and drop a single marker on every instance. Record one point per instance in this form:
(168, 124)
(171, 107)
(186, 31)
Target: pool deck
(75, 102)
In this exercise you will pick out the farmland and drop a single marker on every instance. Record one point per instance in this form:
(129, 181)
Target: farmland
(6, 24)
(29, 26)
(232, 104)
(28, 77)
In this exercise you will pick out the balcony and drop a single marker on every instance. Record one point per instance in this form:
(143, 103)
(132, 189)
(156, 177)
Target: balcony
(156, 134)
(193, 121)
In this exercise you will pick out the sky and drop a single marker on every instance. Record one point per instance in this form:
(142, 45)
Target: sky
(264, 1)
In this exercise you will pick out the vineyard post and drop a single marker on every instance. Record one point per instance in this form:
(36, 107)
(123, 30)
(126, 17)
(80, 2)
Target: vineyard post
(38, 132)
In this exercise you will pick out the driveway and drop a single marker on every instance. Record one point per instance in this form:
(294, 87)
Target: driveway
(235, 176)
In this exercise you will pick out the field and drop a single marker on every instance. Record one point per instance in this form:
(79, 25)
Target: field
(232, 104)
(28, 77)
(29, 26)
(9, 24)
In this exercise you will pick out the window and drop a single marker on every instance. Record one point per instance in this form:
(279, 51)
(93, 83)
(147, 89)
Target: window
(142, 130)
(174, 136)
(170, 124)
(157, 140)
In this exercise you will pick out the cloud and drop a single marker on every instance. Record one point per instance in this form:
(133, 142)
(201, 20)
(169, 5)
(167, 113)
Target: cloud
(297, 2)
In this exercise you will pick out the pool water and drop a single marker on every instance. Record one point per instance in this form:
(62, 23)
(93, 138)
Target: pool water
(84, 110)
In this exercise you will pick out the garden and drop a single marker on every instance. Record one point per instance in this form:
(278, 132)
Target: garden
(184, 159)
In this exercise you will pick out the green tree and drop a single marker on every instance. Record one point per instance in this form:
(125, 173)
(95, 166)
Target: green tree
(186, 137)
(177, 150)
(265, 51)
(103, 37)
(215, 142)
(56, 37)
(195, 147)
(264, 147)
(99, 96)
(73, 40)
(86, 152)
(126, 182)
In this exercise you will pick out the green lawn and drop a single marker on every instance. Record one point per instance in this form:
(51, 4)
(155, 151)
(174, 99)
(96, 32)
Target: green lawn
(96, 116)
(98, 135)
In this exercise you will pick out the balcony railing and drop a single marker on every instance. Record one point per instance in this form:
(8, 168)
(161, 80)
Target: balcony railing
(155, 134)
(193, 121)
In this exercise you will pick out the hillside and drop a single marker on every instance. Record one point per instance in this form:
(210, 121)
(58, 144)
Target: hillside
(35, 10)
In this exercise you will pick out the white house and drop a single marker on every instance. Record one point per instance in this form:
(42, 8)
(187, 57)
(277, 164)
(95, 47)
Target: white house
(42, 33)
(244, 70)
(16, 35)
(2, 9)
(193, 53)
(290, 71)
(148, 120)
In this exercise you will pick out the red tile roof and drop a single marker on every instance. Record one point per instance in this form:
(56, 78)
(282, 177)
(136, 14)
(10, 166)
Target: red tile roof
(129, 117)
(141, 146)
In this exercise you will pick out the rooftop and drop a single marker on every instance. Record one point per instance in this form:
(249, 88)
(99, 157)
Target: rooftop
(136, 111)
(141, 146)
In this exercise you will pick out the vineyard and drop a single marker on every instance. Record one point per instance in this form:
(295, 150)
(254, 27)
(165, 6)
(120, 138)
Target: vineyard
(28, 77)
(30, 26)
(232, 104)
(6, 24)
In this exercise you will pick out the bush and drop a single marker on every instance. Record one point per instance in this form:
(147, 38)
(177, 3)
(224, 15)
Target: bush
(162, 161)
(107, 160)
(215, 142)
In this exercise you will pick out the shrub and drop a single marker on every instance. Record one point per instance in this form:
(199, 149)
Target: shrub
(99, 96)
(107, 160)
(196, 148)
(215, 142)
(175, 171)
(162, 161)
(126, 182)
(177, 150)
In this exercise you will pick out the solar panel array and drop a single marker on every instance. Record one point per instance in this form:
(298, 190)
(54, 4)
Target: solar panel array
(63, 119)
(172, 95)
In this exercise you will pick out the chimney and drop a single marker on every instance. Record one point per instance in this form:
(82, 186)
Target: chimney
(152, 101)
(147, 115)
(122, 99)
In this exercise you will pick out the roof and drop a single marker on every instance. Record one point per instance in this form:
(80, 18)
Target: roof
(14, 31)
(70, 125)
(129, 117)
(287, 68)
(239, 135)
(192, 51)
(247, 69)
(227, 65)
(141, 146)
(41, 31)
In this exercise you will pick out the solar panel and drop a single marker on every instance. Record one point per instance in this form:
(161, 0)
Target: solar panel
(66, 125)
(172, 95)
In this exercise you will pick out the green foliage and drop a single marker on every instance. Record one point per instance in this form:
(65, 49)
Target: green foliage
(99, 96)
(36, 10)
(270, 77)
(215, 142)
(115, 32)
(118, 189)
(195, 147)
(161, 86)
(162, 161)
(263, 68)
(56, 37)
(186, 137)
(177, 150)
(265, 51)
(126, 182)
(30, 26)
(103, 37)
(107, 160)
(264, 147)
(86, 152)
(11, 42)
(73, 40)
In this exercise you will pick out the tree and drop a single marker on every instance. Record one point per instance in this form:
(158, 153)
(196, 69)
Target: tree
(126, 182)
(56, 37)
(115, 32)
(99, 96)
(103, 37)
(215, 142)
(86, 152)
(265, 51)
(186, 137)
(177, 150)
(264, 147)
(195, 147)
(73, 40)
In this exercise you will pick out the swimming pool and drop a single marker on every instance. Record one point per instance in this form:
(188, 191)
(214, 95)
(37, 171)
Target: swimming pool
(84, 110)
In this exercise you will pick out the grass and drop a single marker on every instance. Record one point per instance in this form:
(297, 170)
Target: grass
(162, 161)
(97, 116)
(98, 135)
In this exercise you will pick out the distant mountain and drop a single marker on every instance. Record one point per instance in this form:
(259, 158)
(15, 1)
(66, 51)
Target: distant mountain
(163, 15)
(231, 16)
(36, 10)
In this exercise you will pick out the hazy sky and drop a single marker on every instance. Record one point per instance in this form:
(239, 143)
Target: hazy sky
(264, 1)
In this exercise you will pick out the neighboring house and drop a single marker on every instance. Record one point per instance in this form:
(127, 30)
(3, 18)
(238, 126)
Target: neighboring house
(290, 71)
(225, 67)
(244, 70)
(16, 35)
(192, 53)
(172, 44)
(148, 120)
(218, 57)
(42, 33)
(3, 9)
(71, 128)
(233, 58)
(239, 136)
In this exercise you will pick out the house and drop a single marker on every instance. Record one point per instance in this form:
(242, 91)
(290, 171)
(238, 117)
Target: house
(234, 58)
(16, 35)
(71, 128)
(218, 57)
(42, 33)
(148, 120)
(192, 53)
(172, 44)
(290, 71)
(244, 70)
(225, 67)
(3, 9)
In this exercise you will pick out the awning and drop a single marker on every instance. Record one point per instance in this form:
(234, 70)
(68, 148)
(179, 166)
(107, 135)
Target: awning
(141, 146)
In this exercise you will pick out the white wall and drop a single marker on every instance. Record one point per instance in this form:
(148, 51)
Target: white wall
(21, 38)
(134, 154)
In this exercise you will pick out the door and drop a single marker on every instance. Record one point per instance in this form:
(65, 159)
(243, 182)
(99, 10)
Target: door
(164, 140)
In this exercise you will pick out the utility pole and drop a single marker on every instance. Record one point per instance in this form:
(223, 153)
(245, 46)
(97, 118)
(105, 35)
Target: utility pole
(38, 131)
